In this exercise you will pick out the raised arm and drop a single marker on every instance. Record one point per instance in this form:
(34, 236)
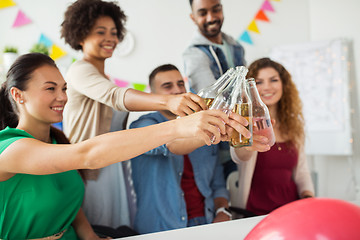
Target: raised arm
(35, 157)
(245, 153)
(181, 104)
(186, 146)
(86, 79)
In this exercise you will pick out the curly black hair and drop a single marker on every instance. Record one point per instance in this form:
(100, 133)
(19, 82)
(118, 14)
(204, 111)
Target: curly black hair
(80, 17)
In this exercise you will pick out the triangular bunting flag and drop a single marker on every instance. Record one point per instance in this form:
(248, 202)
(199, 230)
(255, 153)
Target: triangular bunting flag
(253, 27)
(56, 52)
(21, 19)
(139, 86)
(267, 6)
(245, 37)
(261, 16)
(58, 125)
(6, 3)
(46, 41)
(121, 83)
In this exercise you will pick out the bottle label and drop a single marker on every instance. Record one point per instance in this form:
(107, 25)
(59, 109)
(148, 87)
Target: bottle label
(261, 123)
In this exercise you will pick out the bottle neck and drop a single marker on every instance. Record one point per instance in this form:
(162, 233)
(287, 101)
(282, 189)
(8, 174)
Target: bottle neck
(245, 97)
(223, 81)
(233, 85)
(218, 86)
(253, 91)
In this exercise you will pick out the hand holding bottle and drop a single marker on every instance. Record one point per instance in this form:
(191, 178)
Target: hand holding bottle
(238, 124)
(234, 99)
(185, 104)
(260, 142)
(208, 125)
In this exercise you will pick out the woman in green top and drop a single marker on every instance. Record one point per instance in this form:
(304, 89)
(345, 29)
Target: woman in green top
(40, 193)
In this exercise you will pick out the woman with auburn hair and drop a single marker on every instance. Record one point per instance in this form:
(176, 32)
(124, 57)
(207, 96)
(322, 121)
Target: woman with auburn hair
(277, 175)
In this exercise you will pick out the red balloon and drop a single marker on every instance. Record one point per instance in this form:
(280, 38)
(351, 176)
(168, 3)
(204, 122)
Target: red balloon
(310, 218)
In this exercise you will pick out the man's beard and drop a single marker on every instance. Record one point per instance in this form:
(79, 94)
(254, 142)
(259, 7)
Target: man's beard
(211, 33)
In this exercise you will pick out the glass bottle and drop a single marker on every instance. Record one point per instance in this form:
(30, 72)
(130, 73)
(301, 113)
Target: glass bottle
(261, 116)
(234, 98)
(243, 106)
(209, 93)
(225, 99)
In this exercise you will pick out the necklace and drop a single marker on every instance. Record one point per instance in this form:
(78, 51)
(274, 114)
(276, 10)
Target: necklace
(278, 146)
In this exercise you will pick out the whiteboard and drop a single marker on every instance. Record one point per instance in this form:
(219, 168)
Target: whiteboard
(320, 71)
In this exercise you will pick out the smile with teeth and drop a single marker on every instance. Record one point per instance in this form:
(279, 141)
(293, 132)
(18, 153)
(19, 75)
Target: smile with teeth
(57, 108)
(267, 95)
(108, 47)
(212, 25)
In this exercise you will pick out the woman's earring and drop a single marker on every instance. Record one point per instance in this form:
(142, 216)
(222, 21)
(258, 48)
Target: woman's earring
(21, 101)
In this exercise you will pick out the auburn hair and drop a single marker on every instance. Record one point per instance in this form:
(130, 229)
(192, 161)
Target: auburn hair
(289, 110)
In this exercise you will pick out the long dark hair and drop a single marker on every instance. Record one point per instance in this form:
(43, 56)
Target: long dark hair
(18, 76)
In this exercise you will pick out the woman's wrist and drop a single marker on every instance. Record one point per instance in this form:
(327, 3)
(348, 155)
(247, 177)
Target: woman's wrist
(307, 194)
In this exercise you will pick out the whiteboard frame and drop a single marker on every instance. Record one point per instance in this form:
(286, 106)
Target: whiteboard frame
(330, 142)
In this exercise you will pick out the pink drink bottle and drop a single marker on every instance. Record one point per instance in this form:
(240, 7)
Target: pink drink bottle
(261, 117)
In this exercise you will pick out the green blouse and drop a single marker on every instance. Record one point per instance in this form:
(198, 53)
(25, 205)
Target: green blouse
(37, 206)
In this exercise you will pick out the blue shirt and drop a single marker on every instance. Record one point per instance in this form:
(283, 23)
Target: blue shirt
(157, 176)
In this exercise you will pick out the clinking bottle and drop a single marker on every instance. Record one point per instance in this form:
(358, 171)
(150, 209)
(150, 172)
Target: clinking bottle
(261, 117)
(209, 93)
(234, 98)
(243, 106)
(225, 99)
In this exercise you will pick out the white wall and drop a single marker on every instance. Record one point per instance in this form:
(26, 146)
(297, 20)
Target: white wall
(162, 30)
(329, 20)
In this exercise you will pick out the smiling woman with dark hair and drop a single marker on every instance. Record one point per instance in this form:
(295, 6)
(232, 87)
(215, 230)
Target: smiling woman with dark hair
(41, 191)
(82, 15)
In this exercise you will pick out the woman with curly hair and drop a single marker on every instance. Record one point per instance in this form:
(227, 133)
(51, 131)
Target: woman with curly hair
(96, 27)
(278, 175)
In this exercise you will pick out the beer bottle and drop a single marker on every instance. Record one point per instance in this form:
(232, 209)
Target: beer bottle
(225, 99)
(209, 93)
(242, 106)
(231, 100)
(261, 117)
